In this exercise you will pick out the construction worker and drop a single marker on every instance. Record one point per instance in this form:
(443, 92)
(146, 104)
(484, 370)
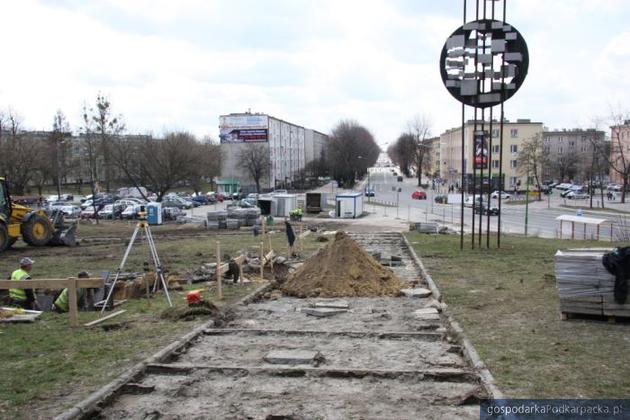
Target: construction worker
(234, 270)
(61, 303)
(24, 298)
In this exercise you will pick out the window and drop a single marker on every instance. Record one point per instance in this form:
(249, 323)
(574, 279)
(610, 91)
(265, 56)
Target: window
(559, 150)
(496, 148)
(514, 148)
(514, 133)
(495, 132)
(513, 164)
(495, 164)
(513, 181)
(572, 144)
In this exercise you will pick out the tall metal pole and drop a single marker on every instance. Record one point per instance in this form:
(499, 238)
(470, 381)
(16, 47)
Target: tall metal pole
(489, 181)
(461, 225)
(527, 201)
(501, 180)
(483, 121)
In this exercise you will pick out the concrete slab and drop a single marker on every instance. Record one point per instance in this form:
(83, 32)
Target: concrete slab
(323, 312)
(335, 304)
(426, 314)
(419, 292)
(292, 357)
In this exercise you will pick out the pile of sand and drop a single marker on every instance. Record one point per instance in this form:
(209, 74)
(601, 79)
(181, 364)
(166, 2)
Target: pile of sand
(342, 269)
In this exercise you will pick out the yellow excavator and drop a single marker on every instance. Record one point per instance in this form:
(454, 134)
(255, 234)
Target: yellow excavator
(35, 226)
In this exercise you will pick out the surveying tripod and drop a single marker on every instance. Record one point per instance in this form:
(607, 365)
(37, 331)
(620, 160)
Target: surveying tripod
(144, 229)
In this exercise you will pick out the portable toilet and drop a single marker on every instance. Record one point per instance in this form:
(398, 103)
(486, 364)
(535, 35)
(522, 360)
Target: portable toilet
(349, 205)
(154, 213)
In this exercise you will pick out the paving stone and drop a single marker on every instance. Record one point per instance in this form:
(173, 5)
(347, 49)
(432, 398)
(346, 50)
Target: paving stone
(323, 312)
(276, 307)
(336, 304)
(427, 314)
(292, 357)
(419, 292)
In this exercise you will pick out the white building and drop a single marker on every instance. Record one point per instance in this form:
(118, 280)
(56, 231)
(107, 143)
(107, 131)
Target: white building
(291, 147)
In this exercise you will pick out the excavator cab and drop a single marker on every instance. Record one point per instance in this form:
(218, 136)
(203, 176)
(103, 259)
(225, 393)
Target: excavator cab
(35, 227)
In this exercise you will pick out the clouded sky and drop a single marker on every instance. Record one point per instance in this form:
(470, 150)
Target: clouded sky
(179, 64)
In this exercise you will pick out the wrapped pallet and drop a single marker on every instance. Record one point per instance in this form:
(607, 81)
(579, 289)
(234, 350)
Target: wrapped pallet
(584, 285)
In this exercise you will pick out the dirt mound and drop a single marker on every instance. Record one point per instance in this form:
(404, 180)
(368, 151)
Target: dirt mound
(342, 269)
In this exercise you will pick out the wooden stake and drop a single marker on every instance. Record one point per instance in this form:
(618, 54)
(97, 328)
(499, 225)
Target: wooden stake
(105, 318)
(262, 259)
(72, 301)
(219, 274)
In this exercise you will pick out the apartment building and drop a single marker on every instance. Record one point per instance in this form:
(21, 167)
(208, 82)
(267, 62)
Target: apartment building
(514, 134)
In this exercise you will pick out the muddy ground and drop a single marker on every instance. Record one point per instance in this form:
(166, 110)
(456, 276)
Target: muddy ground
(376, 360)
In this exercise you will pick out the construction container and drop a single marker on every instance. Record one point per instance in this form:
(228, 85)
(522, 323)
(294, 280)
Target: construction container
(316, 202)
(154, 213)
(285, 203)
(349, 205)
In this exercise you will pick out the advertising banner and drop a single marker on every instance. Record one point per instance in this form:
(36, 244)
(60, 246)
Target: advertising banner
(481, 157)
(244, 121)
(234, 135)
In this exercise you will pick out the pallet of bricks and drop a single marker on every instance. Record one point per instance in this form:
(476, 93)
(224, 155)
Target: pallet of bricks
(585, 286)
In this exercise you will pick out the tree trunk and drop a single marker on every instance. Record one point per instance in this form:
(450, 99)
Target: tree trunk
(623, 188)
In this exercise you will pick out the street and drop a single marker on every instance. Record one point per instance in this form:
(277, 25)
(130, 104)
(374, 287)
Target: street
(541, 214)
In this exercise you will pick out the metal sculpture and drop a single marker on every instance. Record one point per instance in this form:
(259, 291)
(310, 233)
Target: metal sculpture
(483, 64)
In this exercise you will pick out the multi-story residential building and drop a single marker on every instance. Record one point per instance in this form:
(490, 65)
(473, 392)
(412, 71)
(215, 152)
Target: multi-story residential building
(619, 149)
(569, 153)
(433, 167)
(290, 148)
(514, 134)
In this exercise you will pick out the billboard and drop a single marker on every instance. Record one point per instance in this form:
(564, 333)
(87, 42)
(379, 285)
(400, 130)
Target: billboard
(235, 135)
(244, 121)
(481, 150)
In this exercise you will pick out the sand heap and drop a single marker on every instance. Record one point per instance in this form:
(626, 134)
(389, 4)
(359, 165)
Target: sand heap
(342, 269)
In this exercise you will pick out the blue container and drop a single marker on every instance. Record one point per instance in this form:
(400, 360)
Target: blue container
(154, 213)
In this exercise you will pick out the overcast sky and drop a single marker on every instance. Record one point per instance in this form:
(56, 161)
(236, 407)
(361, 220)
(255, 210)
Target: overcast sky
(179, 64)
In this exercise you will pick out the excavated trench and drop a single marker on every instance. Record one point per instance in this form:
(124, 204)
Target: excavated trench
(377, 359)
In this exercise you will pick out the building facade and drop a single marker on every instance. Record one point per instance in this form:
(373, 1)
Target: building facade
(514, 134)
(619, 149)
(569, 153)
(290, 148)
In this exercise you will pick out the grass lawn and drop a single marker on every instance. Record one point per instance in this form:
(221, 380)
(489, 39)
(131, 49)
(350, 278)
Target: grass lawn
(47, 365)
(507, 303)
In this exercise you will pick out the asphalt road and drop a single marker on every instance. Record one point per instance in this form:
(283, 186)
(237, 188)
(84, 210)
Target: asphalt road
(541, 219)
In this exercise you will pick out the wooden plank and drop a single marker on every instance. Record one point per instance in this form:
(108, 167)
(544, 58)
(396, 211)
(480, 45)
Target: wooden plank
(72, 302)
(105, 318)
(49, 283)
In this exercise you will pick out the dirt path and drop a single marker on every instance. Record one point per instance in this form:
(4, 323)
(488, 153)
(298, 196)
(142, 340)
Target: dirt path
(379, 359)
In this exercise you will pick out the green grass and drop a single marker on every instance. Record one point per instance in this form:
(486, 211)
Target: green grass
(507, 303)
(47, 365)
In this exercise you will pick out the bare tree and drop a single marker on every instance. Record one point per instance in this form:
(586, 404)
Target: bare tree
(59, 139)
(159, 164)
(351, 150)
(205, 166)
(106, 127)
(255, 160)
(20, 154)
(619, 158)
(532, 159)
(403, 153)
(420, 128)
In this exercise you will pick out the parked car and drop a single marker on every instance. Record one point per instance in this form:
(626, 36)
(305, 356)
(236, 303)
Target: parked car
(88, 213)
(68, 210)
(107, 212)
(131, 212)
(201, 200)
(369, 192)
(577, 195)
(564, 186)
(441, 198)
(468, 202)
(171, 213)
(247, 203)
(485, 209)
(504, 195)
(419, 195)
(613, 187)
(572, 188)
(176, 201)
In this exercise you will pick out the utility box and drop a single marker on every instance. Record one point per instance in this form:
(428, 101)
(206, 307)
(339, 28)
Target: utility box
(349, 205)
(154, 213)
(316, 202)
(284, 204)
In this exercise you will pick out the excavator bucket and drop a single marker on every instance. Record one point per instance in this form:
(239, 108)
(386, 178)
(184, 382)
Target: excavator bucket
(65, 236)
